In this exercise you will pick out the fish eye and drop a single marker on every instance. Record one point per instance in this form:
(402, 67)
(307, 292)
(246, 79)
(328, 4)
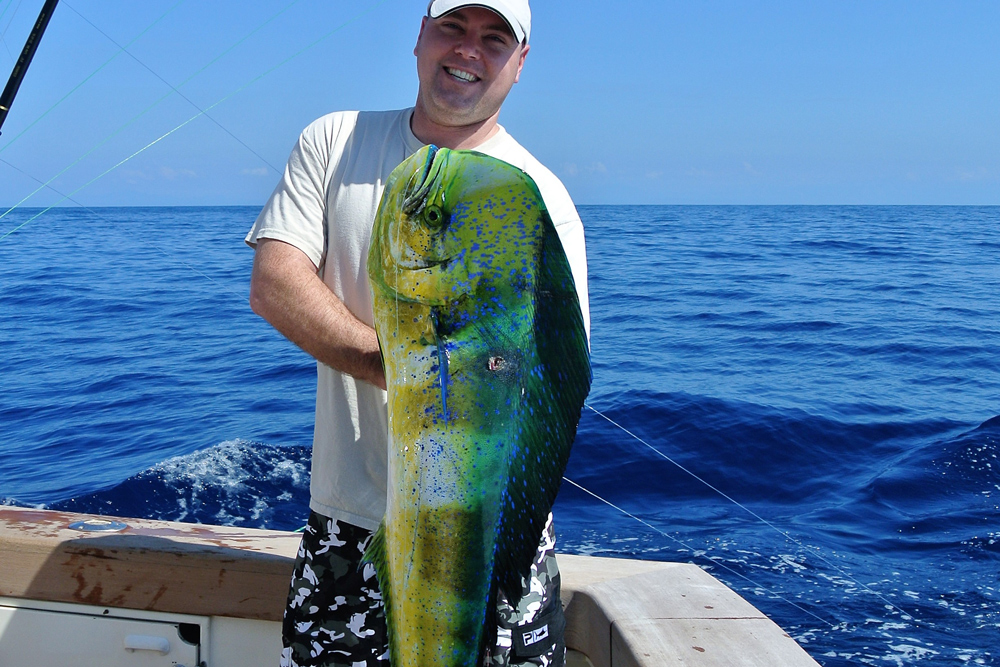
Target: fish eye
(433, 216)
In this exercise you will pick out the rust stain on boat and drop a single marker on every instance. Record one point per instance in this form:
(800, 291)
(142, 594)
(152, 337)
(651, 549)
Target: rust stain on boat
(157, 596)
(171, 567)
(45, 525)
(96, 594)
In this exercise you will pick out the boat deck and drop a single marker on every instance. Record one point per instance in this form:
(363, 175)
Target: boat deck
(231, 583)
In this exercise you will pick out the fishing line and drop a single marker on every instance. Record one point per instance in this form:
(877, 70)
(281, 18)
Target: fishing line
(9, 4)
(9, 21)
(169, 85)
(720, 563)
(85, 80)
(189, 120)
(9, 54)
(88, 183)
(3, 35)
(137, 116)
(3, 11)
(171, 254)
(786, 535)
(78, 160)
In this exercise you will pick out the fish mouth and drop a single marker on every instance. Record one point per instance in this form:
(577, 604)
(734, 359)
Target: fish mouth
(418, 189)
(418, 204)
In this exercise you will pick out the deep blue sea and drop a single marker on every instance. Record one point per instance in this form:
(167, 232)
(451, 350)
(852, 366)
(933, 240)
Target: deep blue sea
(811, 397)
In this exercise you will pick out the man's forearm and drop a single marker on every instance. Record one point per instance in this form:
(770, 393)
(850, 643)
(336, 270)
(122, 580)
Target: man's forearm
(286, 291)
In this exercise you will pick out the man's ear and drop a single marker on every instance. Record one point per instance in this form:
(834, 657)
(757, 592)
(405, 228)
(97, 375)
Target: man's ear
(423, 23)
(520, 62)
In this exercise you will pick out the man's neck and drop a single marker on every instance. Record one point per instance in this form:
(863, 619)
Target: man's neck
(444, 136)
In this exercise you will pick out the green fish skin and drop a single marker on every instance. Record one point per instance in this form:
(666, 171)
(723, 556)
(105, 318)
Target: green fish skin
(487, 367)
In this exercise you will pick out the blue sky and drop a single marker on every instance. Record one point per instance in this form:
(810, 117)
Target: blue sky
(837, 102)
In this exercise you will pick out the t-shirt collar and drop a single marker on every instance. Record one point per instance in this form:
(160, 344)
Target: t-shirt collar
(413, 144)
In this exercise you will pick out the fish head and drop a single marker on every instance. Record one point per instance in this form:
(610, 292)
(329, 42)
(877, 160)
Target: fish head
(451, 222)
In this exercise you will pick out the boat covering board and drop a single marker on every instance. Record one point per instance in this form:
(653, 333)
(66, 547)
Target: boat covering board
(152, 565)
(620, 613)
(629, 613)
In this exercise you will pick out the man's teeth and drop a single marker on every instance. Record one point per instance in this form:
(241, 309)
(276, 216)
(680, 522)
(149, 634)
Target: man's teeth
(465, 76)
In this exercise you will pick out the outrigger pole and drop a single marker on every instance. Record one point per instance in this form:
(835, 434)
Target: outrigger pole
(27, 53)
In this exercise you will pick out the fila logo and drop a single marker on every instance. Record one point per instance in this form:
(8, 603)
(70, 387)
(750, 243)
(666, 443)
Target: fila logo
(535, 636)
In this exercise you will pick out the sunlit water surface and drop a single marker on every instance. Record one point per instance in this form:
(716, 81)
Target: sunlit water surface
(816, 390)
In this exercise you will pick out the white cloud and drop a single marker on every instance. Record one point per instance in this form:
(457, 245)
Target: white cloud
(172, 174)
(135, 176)
(698, 172)
(573, 169)
(975, 174)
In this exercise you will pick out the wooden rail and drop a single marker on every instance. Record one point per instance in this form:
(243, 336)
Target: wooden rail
(620, 613)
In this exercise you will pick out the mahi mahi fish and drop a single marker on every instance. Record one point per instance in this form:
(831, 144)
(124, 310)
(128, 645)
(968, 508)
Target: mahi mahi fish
(487, 367)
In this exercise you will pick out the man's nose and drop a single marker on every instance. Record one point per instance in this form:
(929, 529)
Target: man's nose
(468, 47)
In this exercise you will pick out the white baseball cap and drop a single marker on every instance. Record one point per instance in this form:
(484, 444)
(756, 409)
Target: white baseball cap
(516, 13)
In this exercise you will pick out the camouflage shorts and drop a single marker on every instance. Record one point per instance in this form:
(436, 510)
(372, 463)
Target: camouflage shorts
(335, 617)
(334, 614)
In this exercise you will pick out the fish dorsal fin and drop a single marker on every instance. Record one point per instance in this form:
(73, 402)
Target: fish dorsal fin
(553, 394)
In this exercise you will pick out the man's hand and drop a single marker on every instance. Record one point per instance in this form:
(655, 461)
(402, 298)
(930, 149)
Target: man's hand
(287, 292)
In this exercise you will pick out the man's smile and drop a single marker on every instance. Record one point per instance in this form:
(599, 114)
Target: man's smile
(461, 74)
(467, 62)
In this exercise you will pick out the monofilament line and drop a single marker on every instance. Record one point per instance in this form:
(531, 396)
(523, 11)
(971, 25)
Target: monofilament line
(130, 121)
(89, 76)
(681, 542)
(184, 97)
(906, 615)
(183, 124)
(166, 253)
(243, 87)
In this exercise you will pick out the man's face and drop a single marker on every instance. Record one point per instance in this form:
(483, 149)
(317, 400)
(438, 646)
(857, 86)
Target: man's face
(467, 62)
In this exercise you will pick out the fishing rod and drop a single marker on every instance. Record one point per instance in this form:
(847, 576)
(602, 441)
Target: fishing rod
(24, 60)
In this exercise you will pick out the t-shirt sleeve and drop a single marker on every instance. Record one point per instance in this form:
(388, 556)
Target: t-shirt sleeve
(295, 211)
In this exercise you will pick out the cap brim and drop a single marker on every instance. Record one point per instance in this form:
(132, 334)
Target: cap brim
(443, 7)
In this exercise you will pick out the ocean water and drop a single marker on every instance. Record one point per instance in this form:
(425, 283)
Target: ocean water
(805, 401)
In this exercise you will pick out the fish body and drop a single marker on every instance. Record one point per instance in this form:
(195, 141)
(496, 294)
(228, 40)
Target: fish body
(487, 367)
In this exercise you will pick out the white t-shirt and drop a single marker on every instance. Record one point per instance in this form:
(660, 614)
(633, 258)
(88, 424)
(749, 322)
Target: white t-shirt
(325, 205)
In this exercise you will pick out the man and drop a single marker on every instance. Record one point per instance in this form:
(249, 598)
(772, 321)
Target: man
(310, 282)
